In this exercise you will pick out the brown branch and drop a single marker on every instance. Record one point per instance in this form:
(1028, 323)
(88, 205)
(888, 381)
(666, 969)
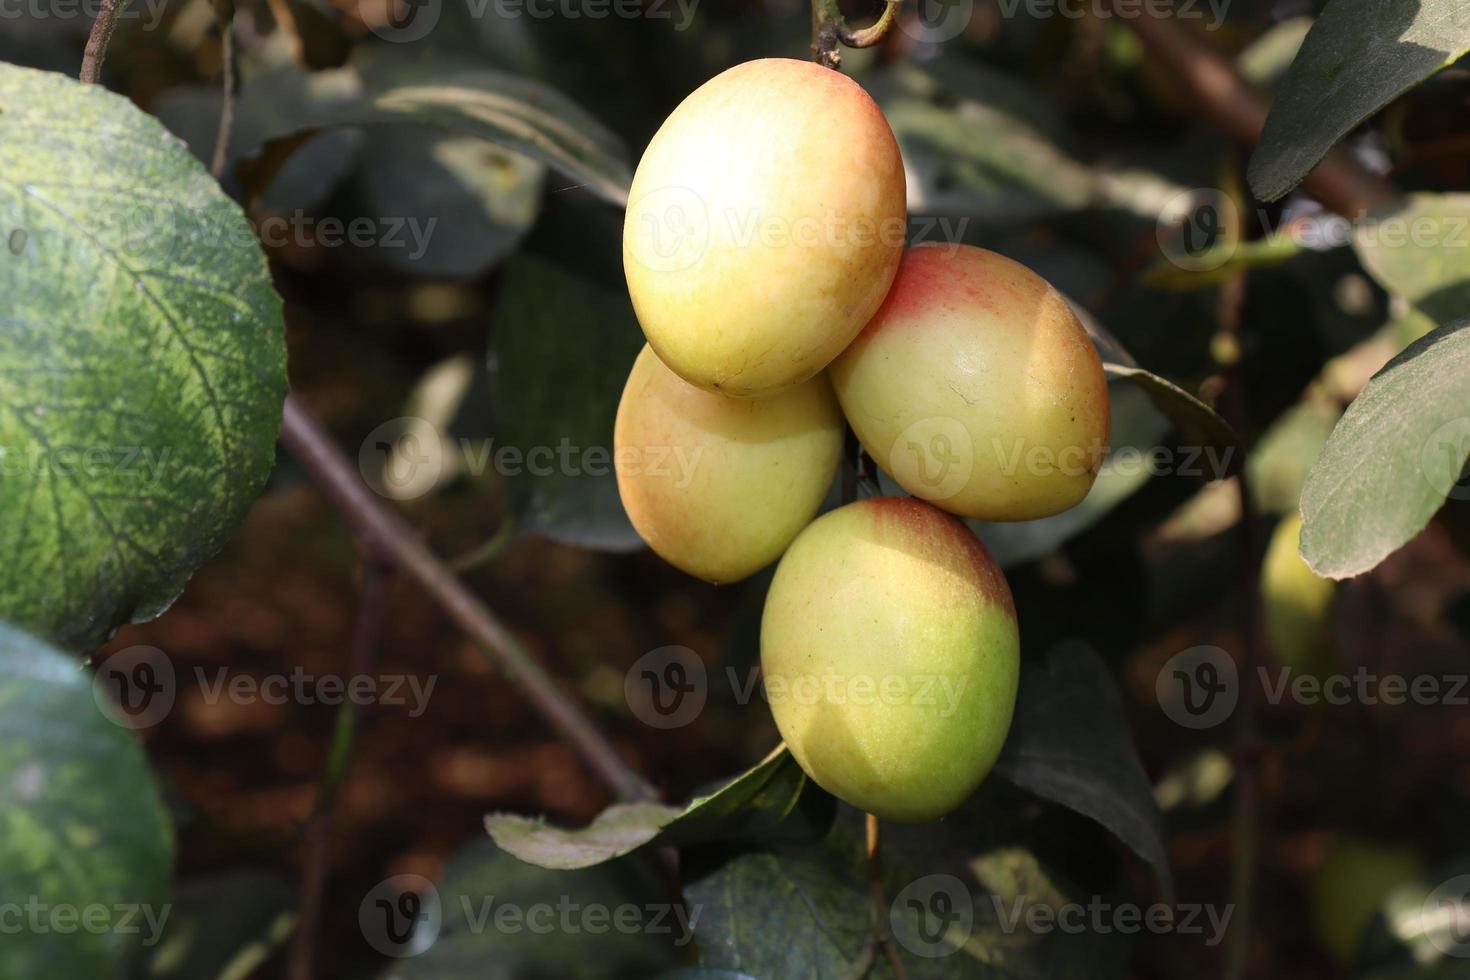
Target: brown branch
(304, 436)
(1238, 109)
(96, 50)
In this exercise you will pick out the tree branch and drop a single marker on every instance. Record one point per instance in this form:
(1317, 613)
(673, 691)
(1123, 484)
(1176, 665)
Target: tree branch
(1238, 109)
(304, 436)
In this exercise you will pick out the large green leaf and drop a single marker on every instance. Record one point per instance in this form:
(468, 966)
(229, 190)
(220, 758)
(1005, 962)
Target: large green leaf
(492, 917)
(517, 113)
(142, 363)
(754, 804)
(1419, 249)
(560, 349)
(1359, 56)
(1070, 743)
(472, 201)
(84, 837)
(1395, 456)
(957, 895)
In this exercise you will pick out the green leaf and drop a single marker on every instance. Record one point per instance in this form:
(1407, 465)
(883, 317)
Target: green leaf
(142, 358)
(1359, 56)
(496, 917)
(224, 927)
(1398, 451)
(618, 830)
(519, 114)
(956, 895)
(560, 350)
(83, 831)
(1222, 262)
(1419, 249)
(753, 804)
(979, 156)
(1193, 417)
(1284, 454)
(1070, 743)
(470, 202)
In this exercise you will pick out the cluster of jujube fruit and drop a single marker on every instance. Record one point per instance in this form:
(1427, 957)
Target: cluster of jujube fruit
(764, 252)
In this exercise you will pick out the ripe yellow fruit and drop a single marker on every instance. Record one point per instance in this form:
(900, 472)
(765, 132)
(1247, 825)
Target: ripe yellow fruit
(764, 226)
(1298, 603)
(976, 387)
(891, 656)
(719, 486)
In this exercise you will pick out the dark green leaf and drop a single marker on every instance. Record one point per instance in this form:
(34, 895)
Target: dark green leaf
(1070, 743)
(1193, 417)
(142, 357)
(466, 203)
(1396, 454)
(1359, 56)
(560, 351)
(224, 926)
(83, 831)
(956, 895)
(519, 114)
(497, 918)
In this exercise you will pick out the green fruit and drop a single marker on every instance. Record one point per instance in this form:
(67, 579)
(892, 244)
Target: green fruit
(1352, 884)
(890, 655)
(764, 226)
(1298, 602)
(976, 388)
(719, 486)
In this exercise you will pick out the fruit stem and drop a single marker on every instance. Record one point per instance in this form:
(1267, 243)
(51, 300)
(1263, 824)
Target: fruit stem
(96, 50)
(829, 28)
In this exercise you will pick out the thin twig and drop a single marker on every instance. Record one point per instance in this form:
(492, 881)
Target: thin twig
(866, 37)
(372, 614)
(96, 51)
(227, 107)
(1239, 109)
(829, 28)
(304, 436)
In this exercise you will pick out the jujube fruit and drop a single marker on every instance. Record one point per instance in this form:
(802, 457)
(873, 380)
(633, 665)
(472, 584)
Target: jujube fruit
(890, 655)
(719, 486)
(764, 225)
(976, 387)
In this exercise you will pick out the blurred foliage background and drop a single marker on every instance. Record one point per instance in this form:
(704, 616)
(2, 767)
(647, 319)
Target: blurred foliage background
(1053, 139)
